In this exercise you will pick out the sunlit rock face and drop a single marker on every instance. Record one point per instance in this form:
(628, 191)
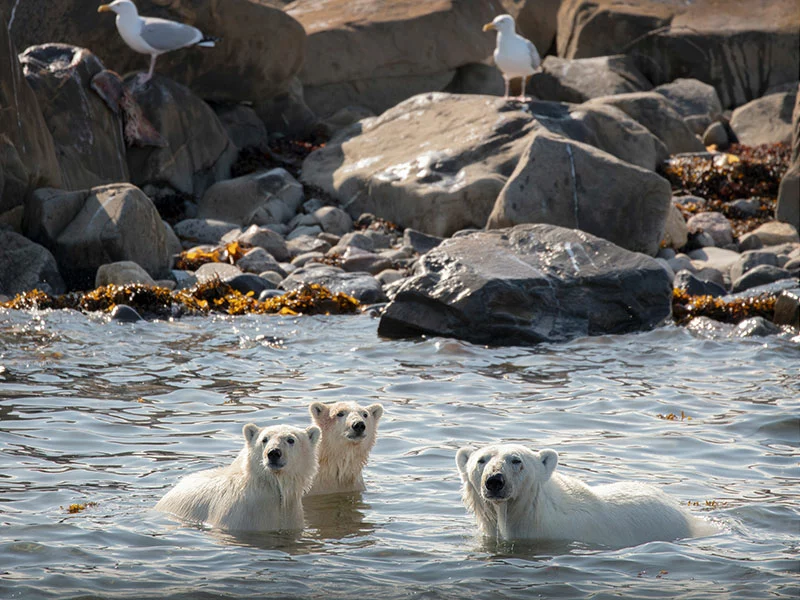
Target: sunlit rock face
(528, 284)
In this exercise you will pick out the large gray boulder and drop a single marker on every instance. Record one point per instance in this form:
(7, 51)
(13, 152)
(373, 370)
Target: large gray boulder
(697, 102)
(25, 265)
(567, 183)
(578, 80)
(89, 228)
(740, 47)
(198, 151)
(377, 53)
(528, 284)
(655, 112)
(437, 162)
(86, 132)
(788, 208)
(766, 120)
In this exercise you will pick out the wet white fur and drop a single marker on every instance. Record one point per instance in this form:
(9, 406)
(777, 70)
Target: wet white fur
(541, 504)
(341, 458)
(249, 494)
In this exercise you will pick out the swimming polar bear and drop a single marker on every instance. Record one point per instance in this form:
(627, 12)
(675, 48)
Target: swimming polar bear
(348, 435)
(515, 493)
(260, 491)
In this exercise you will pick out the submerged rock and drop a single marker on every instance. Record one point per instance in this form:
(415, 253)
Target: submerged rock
(528, 284)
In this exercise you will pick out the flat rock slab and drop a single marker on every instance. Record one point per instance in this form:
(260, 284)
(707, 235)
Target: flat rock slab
(528, 284)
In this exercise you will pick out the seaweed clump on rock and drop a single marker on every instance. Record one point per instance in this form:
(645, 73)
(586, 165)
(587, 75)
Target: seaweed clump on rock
(686, 307)
(211, 297)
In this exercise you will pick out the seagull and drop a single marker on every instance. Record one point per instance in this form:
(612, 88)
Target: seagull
(514, 55)
(153, 36)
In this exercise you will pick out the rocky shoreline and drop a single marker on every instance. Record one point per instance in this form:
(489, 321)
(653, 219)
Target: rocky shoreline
(620, 198)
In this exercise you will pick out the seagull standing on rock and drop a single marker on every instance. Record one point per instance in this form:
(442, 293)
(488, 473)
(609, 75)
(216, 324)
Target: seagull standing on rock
(153, 36)
(514, 55)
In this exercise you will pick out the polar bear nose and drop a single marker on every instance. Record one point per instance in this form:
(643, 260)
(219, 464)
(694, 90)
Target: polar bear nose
(359, 426)
(495, 483)
(274, 455)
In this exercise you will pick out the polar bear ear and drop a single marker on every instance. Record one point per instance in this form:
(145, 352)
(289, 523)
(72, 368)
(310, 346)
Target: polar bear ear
(250, 432)
(376, 410)
(313, 433)
(549, 459)
(462, 456)
(319, 413)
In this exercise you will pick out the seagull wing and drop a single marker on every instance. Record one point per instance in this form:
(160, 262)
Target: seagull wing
(166, 35)
(536, 60)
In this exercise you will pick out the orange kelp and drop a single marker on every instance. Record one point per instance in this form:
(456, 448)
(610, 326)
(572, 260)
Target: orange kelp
(211, 297)
(193, 259)
(686, 307)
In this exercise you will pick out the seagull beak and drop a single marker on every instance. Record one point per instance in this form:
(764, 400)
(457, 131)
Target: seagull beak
(488, 27)
(104, 8)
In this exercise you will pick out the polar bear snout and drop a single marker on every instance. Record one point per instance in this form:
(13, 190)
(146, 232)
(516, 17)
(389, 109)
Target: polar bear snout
(495, 486)
(274, 457)
(359, 427)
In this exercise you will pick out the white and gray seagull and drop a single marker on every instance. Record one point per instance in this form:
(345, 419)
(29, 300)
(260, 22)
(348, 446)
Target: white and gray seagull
(153, 36)
(514, 55)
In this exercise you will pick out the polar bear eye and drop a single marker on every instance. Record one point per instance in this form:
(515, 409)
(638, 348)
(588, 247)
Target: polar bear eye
(264, 440)
(365, 415)
(340, 413)
(290, 441)
(481, 460)
(516, 461)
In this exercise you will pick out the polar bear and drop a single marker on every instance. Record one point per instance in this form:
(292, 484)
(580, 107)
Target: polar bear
(260, 491)
(348, 435)
(515, 493)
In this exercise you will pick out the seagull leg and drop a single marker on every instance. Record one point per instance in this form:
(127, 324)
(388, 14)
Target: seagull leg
(149, 75)
(505, 96)
(523, 85)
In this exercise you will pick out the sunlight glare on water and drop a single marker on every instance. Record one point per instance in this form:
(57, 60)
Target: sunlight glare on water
(115, 414)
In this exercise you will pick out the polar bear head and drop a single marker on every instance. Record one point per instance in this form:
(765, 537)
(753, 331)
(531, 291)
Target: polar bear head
(284, 452)
(502, 472)
(347, 424)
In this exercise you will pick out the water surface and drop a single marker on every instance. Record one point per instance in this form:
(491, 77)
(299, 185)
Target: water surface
(115, 414)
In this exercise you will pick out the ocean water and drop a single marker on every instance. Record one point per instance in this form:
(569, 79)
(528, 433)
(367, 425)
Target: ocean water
(113, 414)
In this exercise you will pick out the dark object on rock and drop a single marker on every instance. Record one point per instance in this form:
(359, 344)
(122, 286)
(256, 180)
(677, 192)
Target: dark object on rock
(528, 284)
(125, 314)
(694, 286)
(787, 308)
(249, 283)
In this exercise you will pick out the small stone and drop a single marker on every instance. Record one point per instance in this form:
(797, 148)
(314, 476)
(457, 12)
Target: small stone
(756, 327)
(125, 314)
(694, 286)
(248, 282)
(334, 220)
(716, 135)
(715, 224)
(760, 275)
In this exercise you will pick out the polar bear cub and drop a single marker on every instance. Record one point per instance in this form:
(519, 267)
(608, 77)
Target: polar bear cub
(348, 435)
(260, 491)
(516, 493)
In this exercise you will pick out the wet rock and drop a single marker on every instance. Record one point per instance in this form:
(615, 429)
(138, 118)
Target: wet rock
(562, 182)
(350, 62)
(125, 314)
(697, 102)
(655, 112)
(89, 228)
(528, 284)
(579, 80)
(676, 233)
(272, 196)
(766, 120)
(264, 237)
(788, 208)
(198, 152)
(420, 242)
(694, 286)
(456, 154)
(244, 127)
(759, 275)
(714, 224)
(260, 47)
(756, 327)
(122, 273)
(23, 127)
(86, 133)
(25, 265)
(216, 270)
(389, 276)
(751, 259)
(259, 260)
(787, 308)
(333, 220)
(741, 51)
(361, 286)
(205, 231)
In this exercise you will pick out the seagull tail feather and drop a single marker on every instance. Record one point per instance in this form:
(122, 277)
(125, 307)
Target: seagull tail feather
(208, 41)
